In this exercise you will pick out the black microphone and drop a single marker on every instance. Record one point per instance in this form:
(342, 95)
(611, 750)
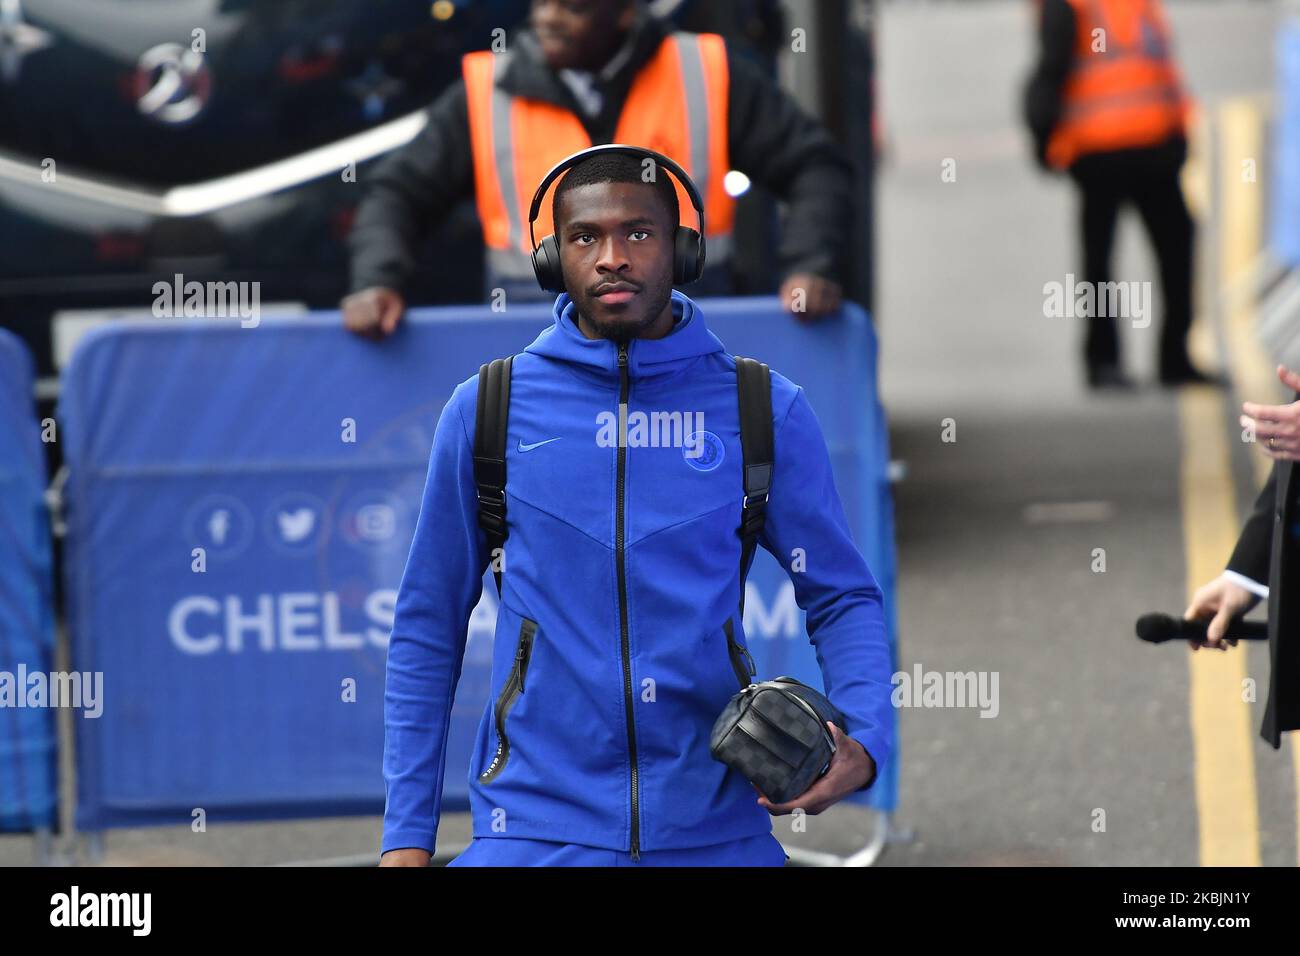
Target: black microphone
(1158, 628)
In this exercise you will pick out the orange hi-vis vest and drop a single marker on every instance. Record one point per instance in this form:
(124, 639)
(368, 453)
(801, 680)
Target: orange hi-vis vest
(1123, 90)
(677, 105)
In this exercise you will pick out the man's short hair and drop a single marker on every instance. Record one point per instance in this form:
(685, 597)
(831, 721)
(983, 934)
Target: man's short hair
(617, 168)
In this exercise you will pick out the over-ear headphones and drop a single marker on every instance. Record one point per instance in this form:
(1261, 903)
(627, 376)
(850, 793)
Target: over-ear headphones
(688, 244)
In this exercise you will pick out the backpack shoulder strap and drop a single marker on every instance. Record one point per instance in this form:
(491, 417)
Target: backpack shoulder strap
(490, 456)
(754, 388)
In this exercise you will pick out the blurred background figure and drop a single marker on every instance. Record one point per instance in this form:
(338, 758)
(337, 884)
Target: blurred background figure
(1106, 103)
(583, 72)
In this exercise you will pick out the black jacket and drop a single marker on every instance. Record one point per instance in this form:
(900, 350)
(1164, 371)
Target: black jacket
(1042, 97)
(770, 139)
(1269, 550)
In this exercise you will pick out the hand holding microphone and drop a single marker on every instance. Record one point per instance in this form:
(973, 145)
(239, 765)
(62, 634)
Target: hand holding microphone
(1221, 601)
(1213, 619)
(1159, 628)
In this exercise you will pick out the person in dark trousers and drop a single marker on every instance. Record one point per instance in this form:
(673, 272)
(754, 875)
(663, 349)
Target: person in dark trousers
(1266, 564)
(1106, 104)
(619, 638)
(584, 72)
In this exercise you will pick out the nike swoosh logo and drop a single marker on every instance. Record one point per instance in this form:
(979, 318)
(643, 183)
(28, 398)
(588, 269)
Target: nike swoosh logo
(536, 444)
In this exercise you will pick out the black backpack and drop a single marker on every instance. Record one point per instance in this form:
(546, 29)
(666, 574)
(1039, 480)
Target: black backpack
(754, 393)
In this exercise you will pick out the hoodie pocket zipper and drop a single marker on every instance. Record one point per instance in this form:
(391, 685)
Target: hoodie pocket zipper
(514, 686)
(741, 661)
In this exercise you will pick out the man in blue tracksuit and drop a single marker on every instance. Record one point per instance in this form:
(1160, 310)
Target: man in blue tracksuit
(611, 658)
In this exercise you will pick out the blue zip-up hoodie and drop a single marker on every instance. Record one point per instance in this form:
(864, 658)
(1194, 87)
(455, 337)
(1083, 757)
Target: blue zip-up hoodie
(611, 661)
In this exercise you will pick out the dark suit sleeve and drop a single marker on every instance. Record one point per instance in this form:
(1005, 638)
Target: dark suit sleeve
(1253, 552)
(408, 191)
(775, 143)
(1042, 97)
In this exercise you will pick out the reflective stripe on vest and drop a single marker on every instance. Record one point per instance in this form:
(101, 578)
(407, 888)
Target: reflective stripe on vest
(677, 105)
(1130, 95)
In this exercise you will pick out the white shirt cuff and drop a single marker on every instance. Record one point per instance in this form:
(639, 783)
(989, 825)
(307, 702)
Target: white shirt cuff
(1254, 587)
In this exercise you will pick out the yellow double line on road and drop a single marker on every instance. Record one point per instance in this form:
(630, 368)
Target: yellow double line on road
(1227, 813)
(1222, 722)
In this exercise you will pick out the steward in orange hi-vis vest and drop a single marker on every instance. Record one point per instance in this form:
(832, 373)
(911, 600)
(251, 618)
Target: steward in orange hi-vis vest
(677, 105)
(1123, 89)
(510, 115)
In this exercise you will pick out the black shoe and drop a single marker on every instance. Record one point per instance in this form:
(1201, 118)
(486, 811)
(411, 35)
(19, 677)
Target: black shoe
(1185, 373)
(1109, 376)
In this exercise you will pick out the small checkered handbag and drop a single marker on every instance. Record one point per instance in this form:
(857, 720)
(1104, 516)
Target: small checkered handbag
(774, 733)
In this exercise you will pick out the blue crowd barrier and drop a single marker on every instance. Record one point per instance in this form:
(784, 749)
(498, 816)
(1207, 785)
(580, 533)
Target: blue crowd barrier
(1284, 213)
(253, 689)
(28, 734)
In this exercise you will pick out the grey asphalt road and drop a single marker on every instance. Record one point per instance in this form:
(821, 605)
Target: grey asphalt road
(997, 529)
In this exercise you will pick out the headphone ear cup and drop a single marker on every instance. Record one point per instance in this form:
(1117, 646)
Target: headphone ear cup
(546, 265)
(688, 259)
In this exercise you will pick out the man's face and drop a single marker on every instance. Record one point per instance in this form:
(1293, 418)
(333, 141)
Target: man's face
(580, 34)
(616, 236)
